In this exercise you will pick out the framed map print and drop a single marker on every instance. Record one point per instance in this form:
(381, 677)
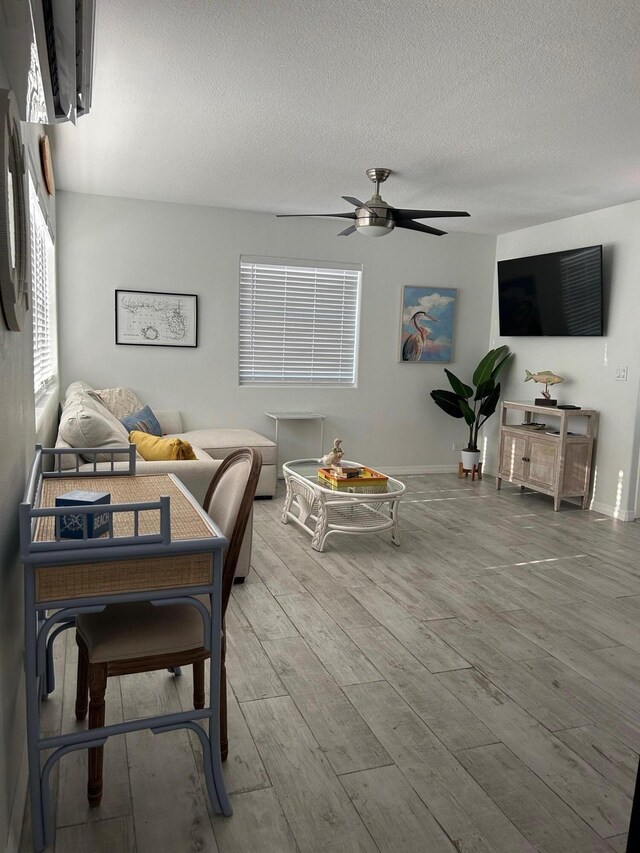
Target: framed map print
(426, 327)
(150, 318)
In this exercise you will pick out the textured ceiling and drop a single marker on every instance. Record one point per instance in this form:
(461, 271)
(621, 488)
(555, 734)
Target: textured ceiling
(519, 111)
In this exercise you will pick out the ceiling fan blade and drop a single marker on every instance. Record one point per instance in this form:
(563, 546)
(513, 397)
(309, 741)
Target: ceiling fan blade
(353, 201)
(417, 226)
(350, 215)
(347, 231)
(357, 203)
(400, 214)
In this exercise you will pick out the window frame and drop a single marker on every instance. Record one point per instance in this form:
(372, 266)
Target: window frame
(38, 209)
(301, 263)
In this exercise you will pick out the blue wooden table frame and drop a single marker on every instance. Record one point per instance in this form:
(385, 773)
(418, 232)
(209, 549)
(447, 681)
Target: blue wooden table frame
(42, 629)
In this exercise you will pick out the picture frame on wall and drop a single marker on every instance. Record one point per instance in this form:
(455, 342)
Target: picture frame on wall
(157, 319)
(426, 324)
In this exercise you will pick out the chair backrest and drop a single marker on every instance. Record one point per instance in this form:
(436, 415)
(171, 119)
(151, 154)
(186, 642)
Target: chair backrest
(228, 501)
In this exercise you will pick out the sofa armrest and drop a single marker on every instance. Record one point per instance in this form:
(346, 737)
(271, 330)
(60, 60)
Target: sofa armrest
(170, 420)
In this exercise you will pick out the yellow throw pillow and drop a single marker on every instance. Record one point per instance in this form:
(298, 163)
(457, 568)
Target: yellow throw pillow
(155, 449)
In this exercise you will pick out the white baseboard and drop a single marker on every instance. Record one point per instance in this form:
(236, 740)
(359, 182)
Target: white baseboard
(407, 470)
(612, 512)
(19, 802)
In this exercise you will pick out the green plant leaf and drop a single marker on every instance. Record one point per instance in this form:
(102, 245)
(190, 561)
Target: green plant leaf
(459, 387)
(484, 369)
(485, 389)
(448, 402)
(500, 365)
(488, 406)
(467, 412)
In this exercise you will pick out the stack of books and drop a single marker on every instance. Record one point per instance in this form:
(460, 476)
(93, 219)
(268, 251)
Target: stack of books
(351, 478)
(342, 472)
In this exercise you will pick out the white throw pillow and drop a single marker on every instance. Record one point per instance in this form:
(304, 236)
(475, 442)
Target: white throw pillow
(121, 402)
(82, 425)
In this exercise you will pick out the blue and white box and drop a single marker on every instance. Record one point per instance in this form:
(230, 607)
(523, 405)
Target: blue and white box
(71, 526)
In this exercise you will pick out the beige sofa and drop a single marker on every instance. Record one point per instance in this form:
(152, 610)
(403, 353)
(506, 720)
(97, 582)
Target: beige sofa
(90, 418)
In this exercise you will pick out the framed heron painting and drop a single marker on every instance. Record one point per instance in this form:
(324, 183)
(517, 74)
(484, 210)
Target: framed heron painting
(426, 327)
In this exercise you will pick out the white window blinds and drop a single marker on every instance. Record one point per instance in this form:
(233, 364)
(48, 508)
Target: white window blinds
(298, 323)
(42, 288)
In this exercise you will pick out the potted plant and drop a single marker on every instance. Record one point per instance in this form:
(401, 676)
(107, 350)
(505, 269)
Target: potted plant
(477, 404)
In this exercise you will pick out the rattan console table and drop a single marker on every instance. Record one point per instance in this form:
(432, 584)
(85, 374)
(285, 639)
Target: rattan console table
(162, 547)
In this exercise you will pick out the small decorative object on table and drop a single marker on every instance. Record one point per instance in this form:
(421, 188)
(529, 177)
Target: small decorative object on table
(334, 456)
(72, 526)
(545, 377)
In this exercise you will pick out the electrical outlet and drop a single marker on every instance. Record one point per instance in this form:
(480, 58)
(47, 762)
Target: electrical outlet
(621, 374)
(455, 446)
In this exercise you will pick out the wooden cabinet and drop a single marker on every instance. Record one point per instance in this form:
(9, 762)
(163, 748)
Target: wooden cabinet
(553, 459)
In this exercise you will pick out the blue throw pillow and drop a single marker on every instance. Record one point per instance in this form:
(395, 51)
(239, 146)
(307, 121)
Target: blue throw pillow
(142, 421)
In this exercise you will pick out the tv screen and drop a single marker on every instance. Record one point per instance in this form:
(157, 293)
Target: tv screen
(555, 294)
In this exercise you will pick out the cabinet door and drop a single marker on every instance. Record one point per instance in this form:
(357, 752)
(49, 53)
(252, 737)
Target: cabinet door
(513, 453)
(543, 457)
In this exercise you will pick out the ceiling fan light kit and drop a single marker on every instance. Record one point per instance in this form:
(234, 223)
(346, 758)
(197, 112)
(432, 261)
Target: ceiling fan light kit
(375, 218)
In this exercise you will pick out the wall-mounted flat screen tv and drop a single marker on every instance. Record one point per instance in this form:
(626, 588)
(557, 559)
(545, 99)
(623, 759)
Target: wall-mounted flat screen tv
(555, 294)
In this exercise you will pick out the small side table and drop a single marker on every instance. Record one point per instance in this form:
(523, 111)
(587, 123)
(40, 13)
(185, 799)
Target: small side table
(299, 416)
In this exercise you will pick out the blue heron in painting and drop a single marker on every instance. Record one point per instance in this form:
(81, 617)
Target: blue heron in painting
(414, 345)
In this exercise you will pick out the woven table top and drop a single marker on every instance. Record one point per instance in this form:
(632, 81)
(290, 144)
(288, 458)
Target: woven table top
(186, 521)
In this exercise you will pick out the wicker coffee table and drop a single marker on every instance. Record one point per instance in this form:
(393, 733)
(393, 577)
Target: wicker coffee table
(321, 510)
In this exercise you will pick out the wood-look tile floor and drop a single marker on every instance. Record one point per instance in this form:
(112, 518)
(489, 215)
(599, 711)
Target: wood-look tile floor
(474, 690)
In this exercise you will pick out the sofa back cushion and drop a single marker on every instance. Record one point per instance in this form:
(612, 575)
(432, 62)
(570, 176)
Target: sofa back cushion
(86, 423)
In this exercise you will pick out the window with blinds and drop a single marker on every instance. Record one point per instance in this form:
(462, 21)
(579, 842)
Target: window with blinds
(298, 323)
(42, 291)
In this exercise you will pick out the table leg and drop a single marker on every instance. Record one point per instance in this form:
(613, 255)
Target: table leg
(287, 502)
(214, 689)
(395, 530)
(320, 532)
(33, 689)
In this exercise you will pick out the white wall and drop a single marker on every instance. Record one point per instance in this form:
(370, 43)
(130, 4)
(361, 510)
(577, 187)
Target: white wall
(16, 453)
(589, 364)
(387, 421)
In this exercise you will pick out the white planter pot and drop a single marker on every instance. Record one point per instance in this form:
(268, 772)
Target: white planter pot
(469, 458)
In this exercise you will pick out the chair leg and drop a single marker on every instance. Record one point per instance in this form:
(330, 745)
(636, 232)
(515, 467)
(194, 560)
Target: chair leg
(97, 688)
(82, 682)
(198, 684)
(224, 738)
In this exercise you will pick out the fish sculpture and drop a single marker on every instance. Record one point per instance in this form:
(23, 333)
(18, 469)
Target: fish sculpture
(546, 377)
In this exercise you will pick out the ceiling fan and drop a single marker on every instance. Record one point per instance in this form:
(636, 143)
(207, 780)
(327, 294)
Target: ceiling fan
(375, 218)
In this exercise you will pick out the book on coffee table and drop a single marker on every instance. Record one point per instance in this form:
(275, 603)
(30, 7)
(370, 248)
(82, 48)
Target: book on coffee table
(372, 480)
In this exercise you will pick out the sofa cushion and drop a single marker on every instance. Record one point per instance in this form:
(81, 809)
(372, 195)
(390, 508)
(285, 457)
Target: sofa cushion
(142, 421)
(155, 449)
(120, 401)
(78, 386)
(195, 475)
(219, 443)
(83, 424)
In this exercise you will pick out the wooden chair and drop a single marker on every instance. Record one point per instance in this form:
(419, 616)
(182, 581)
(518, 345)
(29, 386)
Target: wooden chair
(139, 637)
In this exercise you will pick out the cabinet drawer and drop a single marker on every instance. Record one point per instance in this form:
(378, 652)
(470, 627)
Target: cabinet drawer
(513, 453)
